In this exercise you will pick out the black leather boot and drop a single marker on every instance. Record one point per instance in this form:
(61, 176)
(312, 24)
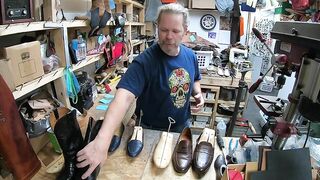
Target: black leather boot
(69, 136)
(91, 133)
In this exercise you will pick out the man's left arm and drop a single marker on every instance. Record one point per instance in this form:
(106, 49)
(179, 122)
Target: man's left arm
(197, 94)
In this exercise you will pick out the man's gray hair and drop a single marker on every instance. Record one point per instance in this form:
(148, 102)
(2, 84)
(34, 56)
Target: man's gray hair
(174, 8)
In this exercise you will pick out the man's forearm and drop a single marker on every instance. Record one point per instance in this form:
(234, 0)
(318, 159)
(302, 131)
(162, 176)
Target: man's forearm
(196, 88)
(115, 113)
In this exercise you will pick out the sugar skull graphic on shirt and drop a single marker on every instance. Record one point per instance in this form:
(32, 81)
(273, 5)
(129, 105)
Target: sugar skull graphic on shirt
(179, 84)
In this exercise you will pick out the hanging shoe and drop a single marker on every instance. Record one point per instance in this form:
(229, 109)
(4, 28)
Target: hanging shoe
(135, 145)
(182, 154)
(116, 139)
(94, 22)
(102, 24)
(100, 4)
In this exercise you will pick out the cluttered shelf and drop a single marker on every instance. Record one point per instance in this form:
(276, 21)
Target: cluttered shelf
(209, 114)
(47, 78)
(136, 42)
(231, 103)
(216, 80)
(10, 29)
(205, 100)
(134, 3)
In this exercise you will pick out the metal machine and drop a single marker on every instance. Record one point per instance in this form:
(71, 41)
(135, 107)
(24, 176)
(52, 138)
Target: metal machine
(299, 43)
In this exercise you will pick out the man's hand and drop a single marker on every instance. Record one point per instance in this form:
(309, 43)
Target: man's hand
(199, 102)
(92, 155)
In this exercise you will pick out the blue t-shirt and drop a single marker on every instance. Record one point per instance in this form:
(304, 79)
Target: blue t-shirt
(163, 85)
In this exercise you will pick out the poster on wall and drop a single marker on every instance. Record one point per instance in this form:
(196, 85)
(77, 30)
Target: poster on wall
(224, 30)
(212, 35)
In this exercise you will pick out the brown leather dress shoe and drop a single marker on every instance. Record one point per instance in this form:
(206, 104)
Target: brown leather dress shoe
(182, 154)
(203, 153)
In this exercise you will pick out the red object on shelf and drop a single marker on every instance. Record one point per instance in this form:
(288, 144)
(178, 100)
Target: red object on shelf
(168, 1)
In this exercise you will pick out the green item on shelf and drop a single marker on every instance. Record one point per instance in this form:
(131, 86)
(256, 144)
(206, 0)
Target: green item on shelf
(282, 9)
(54, 141)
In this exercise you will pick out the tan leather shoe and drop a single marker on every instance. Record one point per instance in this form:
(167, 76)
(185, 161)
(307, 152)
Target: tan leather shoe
(163, 152)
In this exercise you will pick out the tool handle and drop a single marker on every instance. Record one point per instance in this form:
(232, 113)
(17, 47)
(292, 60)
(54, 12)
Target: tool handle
(257, 33)
(220, 141)
(255, 85)
(252, 128)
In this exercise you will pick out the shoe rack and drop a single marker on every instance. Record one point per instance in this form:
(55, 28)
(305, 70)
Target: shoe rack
(62, 31)
(134, 26)
(212, 87)
(206, 116)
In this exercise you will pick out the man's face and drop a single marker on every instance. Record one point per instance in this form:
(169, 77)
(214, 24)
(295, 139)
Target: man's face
(170, 32)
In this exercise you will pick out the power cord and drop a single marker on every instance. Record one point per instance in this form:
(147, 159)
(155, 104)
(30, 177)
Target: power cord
(308, 132)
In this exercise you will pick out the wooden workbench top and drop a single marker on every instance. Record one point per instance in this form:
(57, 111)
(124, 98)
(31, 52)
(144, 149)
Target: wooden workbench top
(120, 166)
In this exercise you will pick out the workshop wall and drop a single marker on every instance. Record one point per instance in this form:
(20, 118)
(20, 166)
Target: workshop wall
(74, 8)
(219, 37)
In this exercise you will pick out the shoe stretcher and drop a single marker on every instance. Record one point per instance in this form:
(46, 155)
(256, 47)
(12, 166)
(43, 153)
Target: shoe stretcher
(163, 151)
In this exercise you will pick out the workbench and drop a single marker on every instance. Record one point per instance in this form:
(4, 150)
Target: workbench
(120, 166)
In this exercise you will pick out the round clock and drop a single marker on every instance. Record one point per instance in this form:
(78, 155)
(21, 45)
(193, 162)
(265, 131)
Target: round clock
(208, 22)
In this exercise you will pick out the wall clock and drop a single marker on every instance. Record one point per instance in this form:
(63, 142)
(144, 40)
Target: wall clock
(208, 22)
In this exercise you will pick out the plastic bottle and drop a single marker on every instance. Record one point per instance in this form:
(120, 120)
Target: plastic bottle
(221, 127)
(81, 52)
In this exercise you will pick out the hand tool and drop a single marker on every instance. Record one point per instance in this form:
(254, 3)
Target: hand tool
(221, 145)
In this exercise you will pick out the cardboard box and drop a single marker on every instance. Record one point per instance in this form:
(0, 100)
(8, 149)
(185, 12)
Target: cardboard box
(22, 63)
(6, 73)
(203, 4)
(246, 169)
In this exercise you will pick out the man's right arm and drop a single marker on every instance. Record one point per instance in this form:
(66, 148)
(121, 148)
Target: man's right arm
(96, 151)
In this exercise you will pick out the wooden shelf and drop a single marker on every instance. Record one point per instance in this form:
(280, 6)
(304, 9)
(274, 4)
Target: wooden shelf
(199, 128)
(37, 83)
(47, 78)
(136, 23)
(205, 101)
(89, 60)
(134, 3)
(136, 42)
(39, 26)
(224, 81)
(230, 103)
(222, 115)
(209, 114)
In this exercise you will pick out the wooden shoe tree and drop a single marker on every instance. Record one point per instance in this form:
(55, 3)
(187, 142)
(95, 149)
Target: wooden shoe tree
(137, 133)
(118, 132)
(207, 136)
(163, 151)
